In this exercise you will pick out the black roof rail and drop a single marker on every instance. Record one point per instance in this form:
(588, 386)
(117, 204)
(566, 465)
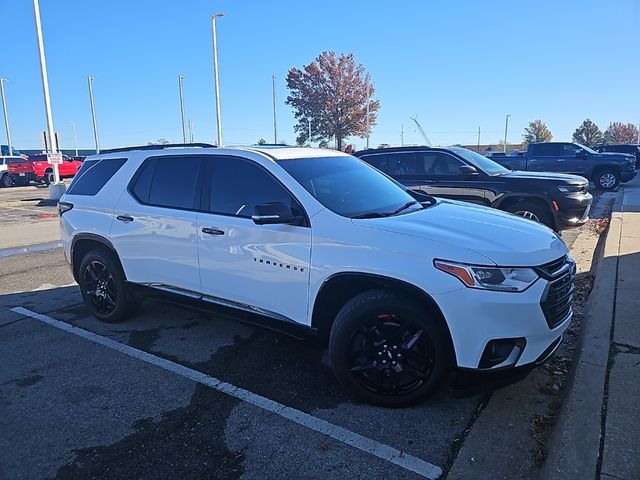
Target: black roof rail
(408, 148)
(159, 147)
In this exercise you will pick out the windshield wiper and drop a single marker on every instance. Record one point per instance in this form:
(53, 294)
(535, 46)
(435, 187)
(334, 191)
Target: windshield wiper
(371, 215)
(405, 206)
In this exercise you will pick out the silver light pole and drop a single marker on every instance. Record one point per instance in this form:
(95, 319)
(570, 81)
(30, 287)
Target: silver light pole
(190, 131)
(275, 127)
(506, 129)
(309, 120)
(6, 116)
(75, 138)
(184, 126)
(215, 75)
(57, 189)
(90, 80)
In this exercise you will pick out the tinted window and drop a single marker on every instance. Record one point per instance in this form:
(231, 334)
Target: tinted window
(549, 149)
(396, 164)
(440, 164)
(174, 182)
(347, 186)
(570, 150)
(142, 184)
(93, 175)
(238, 185)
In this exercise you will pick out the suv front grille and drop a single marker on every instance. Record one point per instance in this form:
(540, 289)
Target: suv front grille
(558, 296)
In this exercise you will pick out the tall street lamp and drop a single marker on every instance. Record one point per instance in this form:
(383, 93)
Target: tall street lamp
(6, 116)
(275, 128)
(215, 75)
(184, 125)
(56, 190)
(90, 80)
(506, 129)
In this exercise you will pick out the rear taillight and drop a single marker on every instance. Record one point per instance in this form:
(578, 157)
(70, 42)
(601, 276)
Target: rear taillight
(64, 207)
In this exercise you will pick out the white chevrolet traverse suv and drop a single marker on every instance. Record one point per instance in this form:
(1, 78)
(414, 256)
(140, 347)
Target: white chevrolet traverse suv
(404, 287)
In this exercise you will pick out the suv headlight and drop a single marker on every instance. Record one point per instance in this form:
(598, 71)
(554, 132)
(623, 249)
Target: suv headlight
(503, 279)
(571, 188)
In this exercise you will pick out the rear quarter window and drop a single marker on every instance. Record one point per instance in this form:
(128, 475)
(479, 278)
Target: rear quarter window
(93, 175)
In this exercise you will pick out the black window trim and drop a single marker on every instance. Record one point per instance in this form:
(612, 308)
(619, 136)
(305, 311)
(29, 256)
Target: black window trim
(203, 187)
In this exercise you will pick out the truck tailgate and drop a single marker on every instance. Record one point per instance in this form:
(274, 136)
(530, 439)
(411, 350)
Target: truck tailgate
(18, 168)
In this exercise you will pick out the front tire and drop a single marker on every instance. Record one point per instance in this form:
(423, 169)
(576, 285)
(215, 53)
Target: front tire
(387, 349)
(607, 180)
(48, 178)
(102, 284)
(532, 212)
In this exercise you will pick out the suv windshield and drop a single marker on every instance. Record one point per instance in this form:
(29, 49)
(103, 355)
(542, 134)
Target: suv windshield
(587, 149)
(479, 161)
(349, 187)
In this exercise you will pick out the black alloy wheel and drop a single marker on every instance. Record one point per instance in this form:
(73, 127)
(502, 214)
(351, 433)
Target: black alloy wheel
(388, 349)
(100, 286)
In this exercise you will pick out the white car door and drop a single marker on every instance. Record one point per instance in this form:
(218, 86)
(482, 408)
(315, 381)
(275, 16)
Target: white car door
(263, 268)
(154, 225)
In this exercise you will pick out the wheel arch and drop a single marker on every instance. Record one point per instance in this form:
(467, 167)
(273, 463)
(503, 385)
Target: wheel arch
(339, 288)
(600, 168)
(83, 243)
(542, 201)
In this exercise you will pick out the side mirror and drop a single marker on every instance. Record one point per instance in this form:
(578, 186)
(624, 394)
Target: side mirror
(468, 171)
(274, 214)
(581, 154)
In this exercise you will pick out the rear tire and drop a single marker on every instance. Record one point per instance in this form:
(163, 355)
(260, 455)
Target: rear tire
(102, 284)
(606, 179)
(533, 212)
(6, 181)
(48, 177)
(387, 349)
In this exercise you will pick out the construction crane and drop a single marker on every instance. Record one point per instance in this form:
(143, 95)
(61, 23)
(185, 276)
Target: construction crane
(422, 132)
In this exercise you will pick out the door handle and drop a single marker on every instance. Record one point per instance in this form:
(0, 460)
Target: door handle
(212, 231)
(124, 218)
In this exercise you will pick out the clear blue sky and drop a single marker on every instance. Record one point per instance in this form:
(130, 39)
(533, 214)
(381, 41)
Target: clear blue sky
(456, 64)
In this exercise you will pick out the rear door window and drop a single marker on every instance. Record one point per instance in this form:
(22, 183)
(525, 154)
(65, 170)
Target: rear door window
(397, 165)
(169, 182)
(93, 175)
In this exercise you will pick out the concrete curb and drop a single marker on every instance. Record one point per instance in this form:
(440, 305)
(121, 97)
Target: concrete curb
(574, 447)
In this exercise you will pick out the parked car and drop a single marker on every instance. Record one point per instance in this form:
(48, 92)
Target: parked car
(44, 171)
(605, 170)
(6, 180)
(310, 241)
(555, 199)
(630, 148)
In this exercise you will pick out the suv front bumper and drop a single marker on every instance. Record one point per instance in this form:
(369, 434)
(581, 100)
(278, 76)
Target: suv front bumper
(478, 317)
(573, 210)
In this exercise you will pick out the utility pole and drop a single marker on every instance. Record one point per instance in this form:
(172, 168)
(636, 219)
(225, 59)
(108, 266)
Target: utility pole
(215, 76)
(478, 139)
(6, 116)
(56, 190)
(90, 80)
(184, 127)
(190, 131)
(75, 138)
(402, 134)
(506, 128)
(638, 139)
(275, 127)
(309, 120)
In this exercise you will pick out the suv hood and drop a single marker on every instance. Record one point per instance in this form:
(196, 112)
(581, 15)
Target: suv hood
(559, 177)
(614, 156)
(503, 238)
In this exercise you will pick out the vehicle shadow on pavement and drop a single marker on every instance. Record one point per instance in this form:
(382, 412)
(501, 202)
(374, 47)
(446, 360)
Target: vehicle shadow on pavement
(292, 372)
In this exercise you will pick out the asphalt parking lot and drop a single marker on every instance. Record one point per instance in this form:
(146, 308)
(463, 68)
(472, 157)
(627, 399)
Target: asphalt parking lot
(174, 393)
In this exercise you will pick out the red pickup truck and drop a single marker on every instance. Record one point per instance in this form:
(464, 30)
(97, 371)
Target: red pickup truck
(38, 169)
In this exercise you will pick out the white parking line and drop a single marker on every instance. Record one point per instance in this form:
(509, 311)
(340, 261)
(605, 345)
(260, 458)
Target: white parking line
(373, 447)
